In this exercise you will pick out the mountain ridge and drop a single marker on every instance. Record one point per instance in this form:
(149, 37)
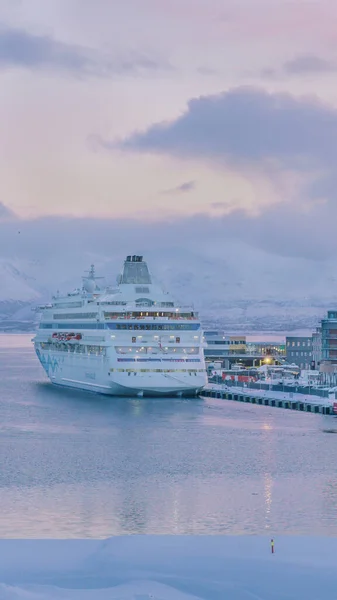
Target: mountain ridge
(227, 293)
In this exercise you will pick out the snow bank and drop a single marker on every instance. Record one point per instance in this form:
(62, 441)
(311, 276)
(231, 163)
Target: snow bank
(139, 590)
(169, 568)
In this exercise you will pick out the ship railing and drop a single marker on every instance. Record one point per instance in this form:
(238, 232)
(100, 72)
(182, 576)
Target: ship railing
(185, 307)
(41, 307)
(157, 305)
(148, 318)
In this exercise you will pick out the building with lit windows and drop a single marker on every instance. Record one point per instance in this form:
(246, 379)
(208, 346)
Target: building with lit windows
(234, 350)
(220, 345)
(267, 348)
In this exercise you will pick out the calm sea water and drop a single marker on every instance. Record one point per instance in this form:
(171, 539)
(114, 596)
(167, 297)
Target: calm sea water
(74, 464)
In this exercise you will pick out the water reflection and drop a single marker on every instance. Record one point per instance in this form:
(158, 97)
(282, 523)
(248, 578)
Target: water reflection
(268, 488)
(75, 464)
(269, 450)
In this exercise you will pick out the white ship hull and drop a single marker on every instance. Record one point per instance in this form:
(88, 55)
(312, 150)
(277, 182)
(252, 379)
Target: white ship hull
(134, 340)
(99, 374)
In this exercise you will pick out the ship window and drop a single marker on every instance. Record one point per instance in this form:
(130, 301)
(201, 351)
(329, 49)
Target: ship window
(152, 326)
(144, 302)
(68, 305)
(134, 340)
(75, 316)
(113, 303)
(177, 340)
(68, 326)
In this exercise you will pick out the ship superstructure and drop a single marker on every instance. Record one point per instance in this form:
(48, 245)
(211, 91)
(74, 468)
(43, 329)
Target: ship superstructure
(131, 340)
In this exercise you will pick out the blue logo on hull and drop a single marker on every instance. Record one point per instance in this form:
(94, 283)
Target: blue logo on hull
(49, 364)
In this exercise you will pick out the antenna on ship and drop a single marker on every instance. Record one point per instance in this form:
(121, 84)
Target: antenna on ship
(89, 281)
(92, 273)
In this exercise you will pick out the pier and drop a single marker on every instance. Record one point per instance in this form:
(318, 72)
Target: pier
(313, 405)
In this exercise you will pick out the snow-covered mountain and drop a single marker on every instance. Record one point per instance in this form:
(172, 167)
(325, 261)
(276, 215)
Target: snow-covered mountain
(18, 293)
(241, 289)
(16, 286)
(252, 290)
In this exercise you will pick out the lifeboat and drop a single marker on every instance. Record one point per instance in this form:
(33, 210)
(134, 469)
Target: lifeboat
(69, 336)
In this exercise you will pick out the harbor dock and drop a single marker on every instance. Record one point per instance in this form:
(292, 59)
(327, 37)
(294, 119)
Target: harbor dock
(312, 404)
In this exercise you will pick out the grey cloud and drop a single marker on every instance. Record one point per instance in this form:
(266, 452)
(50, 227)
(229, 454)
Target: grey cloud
(309, 64)
(22, 49)
(219, 204)
(269, 73)
(303, 65)
(208, 71)
(19, 48)
(226, 205)
(283, 230)
(188, 186)
(248, 127)
(245, 125)
(280, 230)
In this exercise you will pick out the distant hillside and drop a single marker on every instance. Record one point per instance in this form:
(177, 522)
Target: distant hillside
(243, 291)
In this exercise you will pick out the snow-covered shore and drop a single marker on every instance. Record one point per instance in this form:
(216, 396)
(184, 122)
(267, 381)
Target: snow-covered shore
(169, 568)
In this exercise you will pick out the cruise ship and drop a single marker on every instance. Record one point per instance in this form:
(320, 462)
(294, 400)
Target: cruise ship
(133, 340)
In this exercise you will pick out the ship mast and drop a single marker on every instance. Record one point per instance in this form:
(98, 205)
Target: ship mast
(89, 281)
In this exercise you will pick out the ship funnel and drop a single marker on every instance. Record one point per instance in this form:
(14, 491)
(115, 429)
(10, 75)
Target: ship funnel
(135, 271)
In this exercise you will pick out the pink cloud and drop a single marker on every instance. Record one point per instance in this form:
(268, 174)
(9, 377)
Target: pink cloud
(267, 19)
(310, 21)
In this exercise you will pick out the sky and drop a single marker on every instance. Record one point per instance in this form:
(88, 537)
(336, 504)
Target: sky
(189, 118)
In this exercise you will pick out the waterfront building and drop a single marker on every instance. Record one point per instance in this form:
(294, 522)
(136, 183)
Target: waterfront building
(317, 347)
(234, 351)
(267, 348)
(219, 345)
(328, 336)
(299, 351)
